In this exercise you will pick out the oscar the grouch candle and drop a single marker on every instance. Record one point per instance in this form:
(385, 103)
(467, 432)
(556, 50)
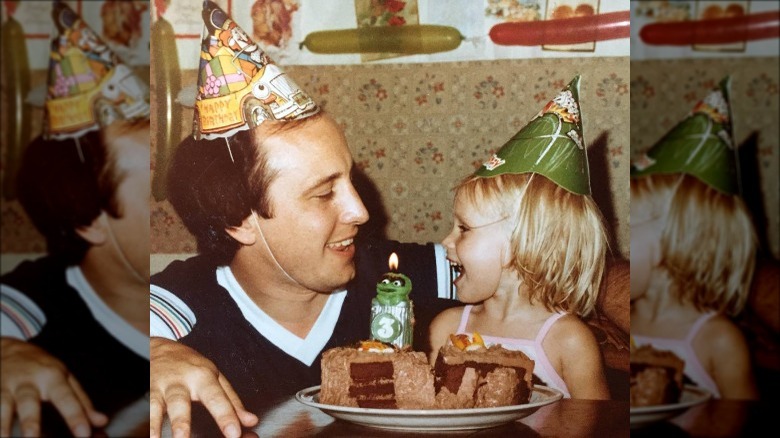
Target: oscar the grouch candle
(392, 317)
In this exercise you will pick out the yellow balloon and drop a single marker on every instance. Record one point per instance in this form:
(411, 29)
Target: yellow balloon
(408, 39)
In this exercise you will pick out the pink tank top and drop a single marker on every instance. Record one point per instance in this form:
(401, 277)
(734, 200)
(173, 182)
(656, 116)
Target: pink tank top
(694, 370)
(543, 369)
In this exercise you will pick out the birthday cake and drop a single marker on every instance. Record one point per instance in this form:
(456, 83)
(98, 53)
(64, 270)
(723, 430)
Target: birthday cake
(379, 375)
(376, 375)
(468, 374)
(386, 373)
(656, 376)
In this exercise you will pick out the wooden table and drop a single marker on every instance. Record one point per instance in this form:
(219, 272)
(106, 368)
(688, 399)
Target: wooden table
(129, 422)
(717, 418)
(575, 418)
(565, 418)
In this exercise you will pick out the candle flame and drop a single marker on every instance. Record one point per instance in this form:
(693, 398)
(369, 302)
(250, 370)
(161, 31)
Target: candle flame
(392, 262)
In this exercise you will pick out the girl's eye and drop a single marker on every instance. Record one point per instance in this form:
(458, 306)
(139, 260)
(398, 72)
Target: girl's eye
(463, 228)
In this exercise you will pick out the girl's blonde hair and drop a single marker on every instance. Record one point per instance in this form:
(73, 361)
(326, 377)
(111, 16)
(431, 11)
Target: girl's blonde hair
(708, 244)
(558, 243)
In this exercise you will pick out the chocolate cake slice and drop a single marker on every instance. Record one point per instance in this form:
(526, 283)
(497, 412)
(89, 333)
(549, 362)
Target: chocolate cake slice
(656, 377)
(381, 376)
(482, 377)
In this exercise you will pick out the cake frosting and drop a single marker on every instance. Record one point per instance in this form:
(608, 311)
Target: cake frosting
(482, 377)
(467, 375)
(656, 376)
(376, 375)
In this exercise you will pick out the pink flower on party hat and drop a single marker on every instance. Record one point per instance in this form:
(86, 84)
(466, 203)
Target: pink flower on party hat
(494, 162)
(643, 162)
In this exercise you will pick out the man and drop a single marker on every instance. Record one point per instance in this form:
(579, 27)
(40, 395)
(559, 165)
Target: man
(272, 205)
(284, 285)
(85, 186)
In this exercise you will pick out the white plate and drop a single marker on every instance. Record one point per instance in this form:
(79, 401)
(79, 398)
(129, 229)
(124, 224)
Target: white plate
(429, 420)
(691, 396)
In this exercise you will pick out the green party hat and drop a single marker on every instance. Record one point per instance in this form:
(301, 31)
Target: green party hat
(88, 85)
(239, 85)
(551, 145)
(701, 145)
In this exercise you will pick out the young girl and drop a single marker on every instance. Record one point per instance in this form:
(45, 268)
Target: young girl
(692, 251)
(529, 243)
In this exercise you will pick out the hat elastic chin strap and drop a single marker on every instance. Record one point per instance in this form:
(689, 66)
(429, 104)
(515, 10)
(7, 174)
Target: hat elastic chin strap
(79, 150)
(265, 243)
(259, 230)
(128, 266)
(668, 201)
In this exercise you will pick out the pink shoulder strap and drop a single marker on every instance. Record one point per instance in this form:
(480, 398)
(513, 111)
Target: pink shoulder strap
(698, 325)
(546, 327)
(464, 318)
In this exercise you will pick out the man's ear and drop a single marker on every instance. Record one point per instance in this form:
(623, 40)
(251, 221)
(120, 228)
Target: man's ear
(95, 233)
(245, 234)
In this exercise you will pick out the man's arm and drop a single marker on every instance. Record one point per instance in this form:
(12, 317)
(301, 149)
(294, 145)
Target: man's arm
(30, 375)
(615, 301)
(612, 319)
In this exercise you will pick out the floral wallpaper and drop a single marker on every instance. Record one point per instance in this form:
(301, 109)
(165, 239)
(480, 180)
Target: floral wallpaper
(664, 91)
(416, 129)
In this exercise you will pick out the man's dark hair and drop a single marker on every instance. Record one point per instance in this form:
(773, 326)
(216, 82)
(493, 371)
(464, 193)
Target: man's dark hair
(63, 188)
(212, 192)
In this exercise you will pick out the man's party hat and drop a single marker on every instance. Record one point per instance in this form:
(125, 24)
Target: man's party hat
(551, 145)
(239, 86)
(702, 145)
(88, 85)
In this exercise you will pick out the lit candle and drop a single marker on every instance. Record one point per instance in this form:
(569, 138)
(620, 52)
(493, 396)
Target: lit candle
(391, 311)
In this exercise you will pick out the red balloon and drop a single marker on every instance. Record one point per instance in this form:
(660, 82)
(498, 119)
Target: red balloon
(609, 26)
(750, 27)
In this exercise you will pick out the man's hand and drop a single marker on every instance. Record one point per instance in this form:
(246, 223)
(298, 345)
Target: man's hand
(178, 375)
(29, 376)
